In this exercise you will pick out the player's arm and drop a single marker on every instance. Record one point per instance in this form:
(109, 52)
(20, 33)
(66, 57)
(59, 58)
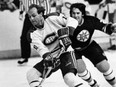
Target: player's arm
(37, 44)
(64, 33)
(108, 28)
(43, 52)
(41, 49)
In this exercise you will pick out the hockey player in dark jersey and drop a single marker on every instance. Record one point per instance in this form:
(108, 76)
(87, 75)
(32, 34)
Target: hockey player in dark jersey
(46, 42)
(84, 45)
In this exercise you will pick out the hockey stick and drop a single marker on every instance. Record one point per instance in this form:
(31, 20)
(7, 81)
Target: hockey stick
(49, 69)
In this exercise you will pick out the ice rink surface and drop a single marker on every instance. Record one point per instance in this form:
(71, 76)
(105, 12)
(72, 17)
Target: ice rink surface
(13, 75)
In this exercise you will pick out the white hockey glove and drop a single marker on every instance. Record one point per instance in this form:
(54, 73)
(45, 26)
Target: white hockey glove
(63, 35)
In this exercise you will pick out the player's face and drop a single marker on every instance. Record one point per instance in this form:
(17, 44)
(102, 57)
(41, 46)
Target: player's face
(77, 14)
(36, 19)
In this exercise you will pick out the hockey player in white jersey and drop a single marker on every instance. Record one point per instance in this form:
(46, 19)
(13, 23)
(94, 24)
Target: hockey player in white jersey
(45, 40)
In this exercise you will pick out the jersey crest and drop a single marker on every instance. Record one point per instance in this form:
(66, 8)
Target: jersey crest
(51, 38)
(83, 36)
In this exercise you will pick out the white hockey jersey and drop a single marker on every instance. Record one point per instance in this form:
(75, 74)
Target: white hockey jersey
(46, 39)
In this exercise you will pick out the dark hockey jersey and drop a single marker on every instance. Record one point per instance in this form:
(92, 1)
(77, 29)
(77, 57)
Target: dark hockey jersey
(82, 35)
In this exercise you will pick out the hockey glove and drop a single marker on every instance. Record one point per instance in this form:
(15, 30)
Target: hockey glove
(63, 35)
(48, 60)
(113, 27)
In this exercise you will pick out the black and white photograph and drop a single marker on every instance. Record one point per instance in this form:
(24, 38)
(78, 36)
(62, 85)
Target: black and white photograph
(57, 43)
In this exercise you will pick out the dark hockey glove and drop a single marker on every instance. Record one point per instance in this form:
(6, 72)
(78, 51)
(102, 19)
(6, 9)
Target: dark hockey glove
(63, 35)
(113, 27)
(48, 60)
